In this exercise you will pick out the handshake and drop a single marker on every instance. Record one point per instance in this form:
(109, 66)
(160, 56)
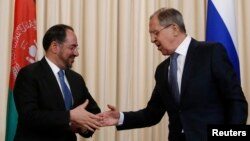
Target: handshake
(82, 121)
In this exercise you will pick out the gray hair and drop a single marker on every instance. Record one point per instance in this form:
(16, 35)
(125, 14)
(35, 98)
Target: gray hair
(168, 16)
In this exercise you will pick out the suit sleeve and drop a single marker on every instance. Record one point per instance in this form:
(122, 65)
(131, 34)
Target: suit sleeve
(92, 107)
(236, 107)
(149, 116)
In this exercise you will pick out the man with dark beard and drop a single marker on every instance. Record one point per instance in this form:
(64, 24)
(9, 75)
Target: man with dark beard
(52, 101)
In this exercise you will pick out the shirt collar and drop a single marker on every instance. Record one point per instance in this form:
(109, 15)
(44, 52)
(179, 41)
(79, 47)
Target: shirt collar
(54, 68)
(183, 47)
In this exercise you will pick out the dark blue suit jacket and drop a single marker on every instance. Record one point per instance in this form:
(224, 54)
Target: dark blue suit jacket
(40, 105)
(210, 94)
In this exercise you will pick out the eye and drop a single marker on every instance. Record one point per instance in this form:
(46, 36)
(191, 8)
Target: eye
(73, 48)
(155, 33)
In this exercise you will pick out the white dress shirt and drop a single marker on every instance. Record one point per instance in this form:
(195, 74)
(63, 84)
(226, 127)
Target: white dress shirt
(55, 70)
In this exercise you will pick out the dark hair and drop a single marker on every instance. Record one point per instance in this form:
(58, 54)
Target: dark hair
(168, 16)
(55, 33)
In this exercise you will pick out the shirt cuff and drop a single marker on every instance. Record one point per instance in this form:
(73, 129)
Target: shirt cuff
(121, 119)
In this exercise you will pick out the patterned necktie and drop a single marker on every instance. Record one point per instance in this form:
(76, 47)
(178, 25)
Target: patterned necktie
(173, 84)
(66, 92)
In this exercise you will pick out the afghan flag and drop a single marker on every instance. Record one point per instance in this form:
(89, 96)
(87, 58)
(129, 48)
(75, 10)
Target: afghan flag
(221, 27)
(23, 52)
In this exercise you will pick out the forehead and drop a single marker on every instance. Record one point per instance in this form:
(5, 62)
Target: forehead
(71, 36)
(154, 24)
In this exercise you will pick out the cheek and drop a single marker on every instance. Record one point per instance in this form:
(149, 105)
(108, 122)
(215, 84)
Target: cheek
(167, 42)
(68, 53)
(164, 43)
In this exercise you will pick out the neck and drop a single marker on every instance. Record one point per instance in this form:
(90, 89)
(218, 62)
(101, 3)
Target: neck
(54, 60)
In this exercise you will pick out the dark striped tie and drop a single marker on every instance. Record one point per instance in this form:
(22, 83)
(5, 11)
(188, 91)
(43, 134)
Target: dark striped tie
(173, 84)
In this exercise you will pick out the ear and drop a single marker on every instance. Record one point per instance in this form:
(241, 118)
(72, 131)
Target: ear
(176, 29)
(54, 47)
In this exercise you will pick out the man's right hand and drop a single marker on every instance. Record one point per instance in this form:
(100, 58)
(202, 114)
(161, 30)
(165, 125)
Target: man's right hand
(83, 118)
(111, 117)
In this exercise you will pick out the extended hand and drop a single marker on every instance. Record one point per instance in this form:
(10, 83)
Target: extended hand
(111, 117)
(83, 118)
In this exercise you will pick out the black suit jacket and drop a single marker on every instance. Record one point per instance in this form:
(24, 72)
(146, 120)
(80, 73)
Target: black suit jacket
(210, 94)
(40, 105)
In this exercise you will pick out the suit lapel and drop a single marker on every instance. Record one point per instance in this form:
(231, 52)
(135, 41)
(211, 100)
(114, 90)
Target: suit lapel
(51, 81)
(166, 72)
(189, 63)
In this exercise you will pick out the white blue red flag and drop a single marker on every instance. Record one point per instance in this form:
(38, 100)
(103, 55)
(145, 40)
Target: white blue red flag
(221, 27)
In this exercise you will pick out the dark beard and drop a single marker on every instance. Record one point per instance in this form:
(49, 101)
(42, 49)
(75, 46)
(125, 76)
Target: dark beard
(66, 63)
(68, 66)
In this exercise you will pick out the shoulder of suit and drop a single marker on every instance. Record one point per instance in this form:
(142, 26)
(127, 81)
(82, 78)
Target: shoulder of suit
(163, 63)
(206, 43)
(72, 72)
(32, 66)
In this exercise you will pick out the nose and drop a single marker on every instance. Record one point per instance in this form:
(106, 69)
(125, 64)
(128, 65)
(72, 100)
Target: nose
(152, 37)
(76, 52)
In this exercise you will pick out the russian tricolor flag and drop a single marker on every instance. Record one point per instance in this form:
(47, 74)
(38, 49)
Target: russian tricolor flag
(221, 27)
